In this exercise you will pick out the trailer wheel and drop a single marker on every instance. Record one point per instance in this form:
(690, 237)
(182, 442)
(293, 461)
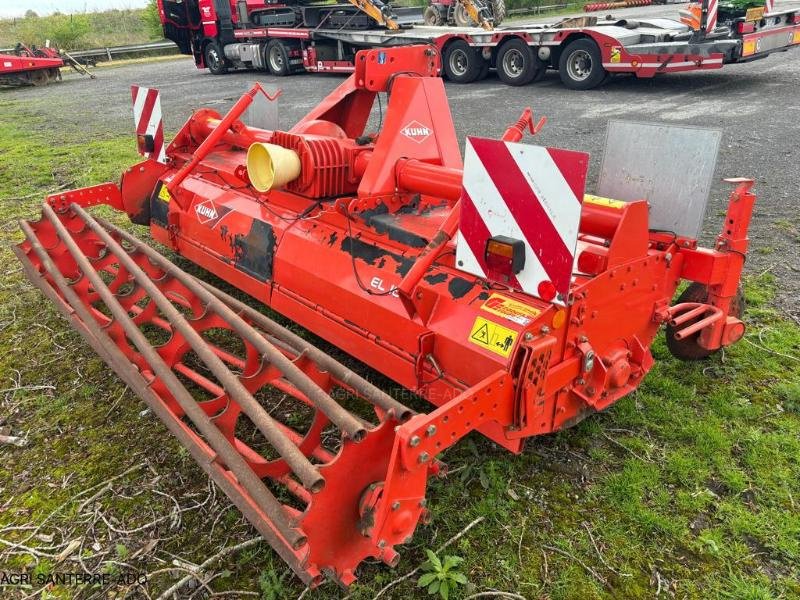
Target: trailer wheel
(517, 63)
(39, 77)
(214, 59)
(581, 66)
(277, 57)
(689, 348)
(462, 63)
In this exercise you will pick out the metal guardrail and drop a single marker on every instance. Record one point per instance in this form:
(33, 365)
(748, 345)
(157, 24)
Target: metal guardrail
(110, 52)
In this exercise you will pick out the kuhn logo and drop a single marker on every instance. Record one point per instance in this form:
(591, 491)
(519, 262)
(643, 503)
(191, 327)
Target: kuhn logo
(206, 211)
(416, 131)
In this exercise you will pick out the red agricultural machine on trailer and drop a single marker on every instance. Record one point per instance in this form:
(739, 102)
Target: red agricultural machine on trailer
(295, 38)
(30, 66)
(494, 288)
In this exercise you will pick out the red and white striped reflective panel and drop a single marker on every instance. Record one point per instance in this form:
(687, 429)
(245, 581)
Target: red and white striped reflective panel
(711, 16)
(529, 193)
(769, 6)
(147, 119)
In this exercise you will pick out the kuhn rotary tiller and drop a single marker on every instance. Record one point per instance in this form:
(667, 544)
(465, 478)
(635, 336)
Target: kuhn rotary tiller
(499, 292)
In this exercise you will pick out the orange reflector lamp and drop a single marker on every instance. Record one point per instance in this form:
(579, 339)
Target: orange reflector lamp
(505, 256)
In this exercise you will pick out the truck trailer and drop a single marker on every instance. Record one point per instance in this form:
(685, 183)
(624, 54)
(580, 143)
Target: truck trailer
(284, 39)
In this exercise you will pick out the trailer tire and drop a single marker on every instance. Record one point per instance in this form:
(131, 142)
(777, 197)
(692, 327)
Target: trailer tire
(484, 70)
(689, 348)
(517, 63)
(39, 77)
(581, 66)
(462, 63)
(276, 56)
(214, 59)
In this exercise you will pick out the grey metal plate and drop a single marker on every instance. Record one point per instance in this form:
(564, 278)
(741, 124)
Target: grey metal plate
(262, 113)
(672, 167)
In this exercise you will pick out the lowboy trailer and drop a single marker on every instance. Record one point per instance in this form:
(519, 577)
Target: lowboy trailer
(584, 50)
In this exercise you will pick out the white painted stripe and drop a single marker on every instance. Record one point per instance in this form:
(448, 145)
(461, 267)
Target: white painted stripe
(551, 188)
(498, 219)
(465, 258)
(155, 117)
(138, 104)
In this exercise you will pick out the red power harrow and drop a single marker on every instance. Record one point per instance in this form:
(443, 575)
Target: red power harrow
(497, 291)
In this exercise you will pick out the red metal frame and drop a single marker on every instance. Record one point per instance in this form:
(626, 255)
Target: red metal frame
(28, 62)
(358, 250)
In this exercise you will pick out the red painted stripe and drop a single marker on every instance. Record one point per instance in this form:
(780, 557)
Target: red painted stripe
(474, 231)
(573, 166)
(527, 211)
(147, 111)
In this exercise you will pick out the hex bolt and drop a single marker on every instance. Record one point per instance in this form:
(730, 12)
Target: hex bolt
(583, 339)
(381, 543)
(414, 441)
(395, 505)
(431, 430)
(423, 457)
(528, 336)
(545, 330)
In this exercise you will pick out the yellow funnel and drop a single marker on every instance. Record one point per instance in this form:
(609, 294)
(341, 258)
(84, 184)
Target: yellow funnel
(270, 166)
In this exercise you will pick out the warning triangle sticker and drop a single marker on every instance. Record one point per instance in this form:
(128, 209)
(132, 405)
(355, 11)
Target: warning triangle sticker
(482, 334)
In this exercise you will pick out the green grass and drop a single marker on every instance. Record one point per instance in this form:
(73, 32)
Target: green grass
(689, 485)
(81, 30)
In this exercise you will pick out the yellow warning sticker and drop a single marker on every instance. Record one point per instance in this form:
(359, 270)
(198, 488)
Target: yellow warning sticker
(599, 200)
(163, 194)
(755, 14)
(616, 54)
(749, 48)
(491, 336)
(796, 37)
(514, 311)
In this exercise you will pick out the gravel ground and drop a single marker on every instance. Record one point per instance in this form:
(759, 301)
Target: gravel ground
(756, 106)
